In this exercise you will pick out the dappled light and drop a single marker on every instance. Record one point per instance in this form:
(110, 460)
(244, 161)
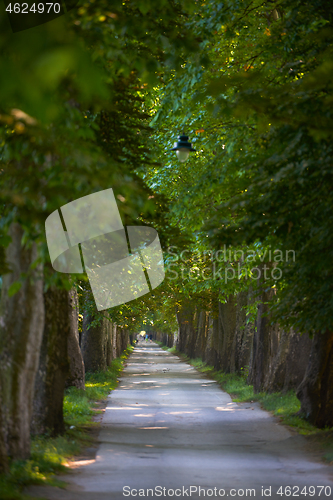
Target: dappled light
(144, 415)
(153, 428)
(194, 428)
(121, 408)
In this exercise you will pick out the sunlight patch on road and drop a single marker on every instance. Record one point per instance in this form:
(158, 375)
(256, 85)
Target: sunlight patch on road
(144, 415)
(223, 408)
(145, 382)
(79, 463)
(152, 428)
(180, 412)
(122, 408)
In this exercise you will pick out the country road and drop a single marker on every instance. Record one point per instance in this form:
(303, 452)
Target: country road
(169, 429)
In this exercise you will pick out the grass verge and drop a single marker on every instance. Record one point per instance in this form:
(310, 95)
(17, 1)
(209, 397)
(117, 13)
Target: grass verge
(50, 455)
(282, 405)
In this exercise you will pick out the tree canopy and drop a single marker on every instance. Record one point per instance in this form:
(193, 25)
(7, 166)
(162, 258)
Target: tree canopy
(96, 98)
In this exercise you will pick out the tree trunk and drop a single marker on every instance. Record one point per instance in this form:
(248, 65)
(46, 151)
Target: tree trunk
(316, 390)
(123, 341)
(186, 318)
(201, 337)
(53, 364)
(4, 465)
(273, 380)
(265, 345)
(109, 342)
(114, 341)
(210, 355)
(289, 365)
(227, 323)
(297, 360)
(77, 375)
(94, 345)
(21, 324)
(244, 334)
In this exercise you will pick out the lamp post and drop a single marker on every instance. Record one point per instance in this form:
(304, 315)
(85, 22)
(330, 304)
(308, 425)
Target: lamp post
(183, 148)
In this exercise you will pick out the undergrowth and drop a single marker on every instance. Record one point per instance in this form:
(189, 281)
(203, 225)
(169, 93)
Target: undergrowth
(50, 455)
(77, 403)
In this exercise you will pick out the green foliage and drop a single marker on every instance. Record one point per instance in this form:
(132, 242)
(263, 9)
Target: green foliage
(14, 288)
(75, 109)
(172, 350)
(236, 386)
(260, 118)
(39, 63)
(50, 453)
(48, 456)
(77, 407)
(103, 102)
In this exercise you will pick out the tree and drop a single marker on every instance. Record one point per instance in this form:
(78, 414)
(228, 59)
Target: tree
(20, 340)
(54, 368)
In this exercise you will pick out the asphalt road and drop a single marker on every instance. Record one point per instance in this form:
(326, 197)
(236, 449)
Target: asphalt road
(168, 431)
